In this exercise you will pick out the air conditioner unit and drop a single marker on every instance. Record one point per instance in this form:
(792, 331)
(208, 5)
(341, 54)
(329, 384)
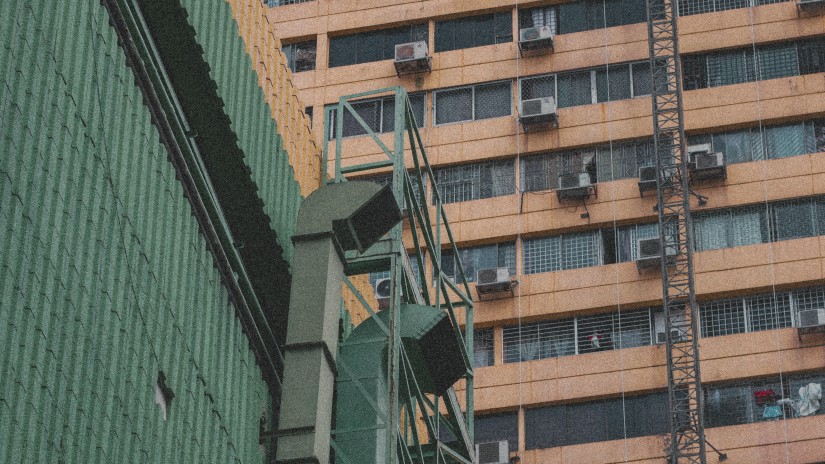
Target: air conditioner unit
(647, 179)
(806, 5)
(538, 39)
(659, 328)
(705, 164)
(493, 280)
(496, 452)
(811, 318)
(649, 254)
(411, 58)
(575, 186)
(538, 113)
(383, 288)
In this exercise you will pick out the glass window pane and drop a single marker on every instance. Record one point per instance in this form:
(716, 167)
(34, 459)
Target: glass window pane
(574, 89)
(370, 46)
(737, 146)
(812, 56)
(444, 36)
(503, 25)
(728, 68)
(793, 219)
(498, 427)
(613, 83)
(492, 100)
(538, 87)
(749, 226)
(483, 351)
(694, 72)
(342, 50)
(574, 17)
(641, 79)
(453, 105)
(418, 102)
(728, 406)
(369, 111)
(778, 61)
(767, 313)
(711, 230)
(784, 141)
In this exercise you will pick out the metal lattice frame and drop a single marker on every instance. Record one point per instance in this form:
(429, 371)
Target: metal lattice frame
(687, 435)
(416, 422)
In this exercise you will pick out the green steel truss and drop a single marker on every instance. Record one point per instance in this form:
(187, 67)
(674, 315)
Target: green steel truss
(417, 425)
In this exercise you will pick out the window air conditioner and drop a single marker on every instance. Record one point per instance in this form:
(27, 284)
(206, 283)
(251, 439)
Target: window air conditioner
(539, 38)
(493, 280)
(649, 254)
(496, 452)
(575, 186)
(704, 164)
(806, 5)
(647, 179)
(811, 318)
(538, 113)
(411, 58)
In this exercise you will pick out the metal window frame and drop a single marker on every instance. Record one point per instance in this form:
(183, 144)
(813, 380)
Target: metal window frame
(472, 102)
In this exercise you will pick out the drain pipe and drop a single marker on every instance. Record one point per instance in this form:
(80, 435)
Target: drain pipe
(334, 219)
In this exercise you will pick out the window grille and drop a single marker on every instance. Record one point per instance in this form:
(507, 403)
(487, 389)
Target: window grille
(603, 162)
(483, 350)
(378, 114)
(541, 16)
(475, 181)
(612, 331)
(724, 317)
(481, 257)
(365, 47)
(751, 401)
(476, 102)
(541, 254)
(594, 421)
(766, 312)
(473, 31)
(300, 56)
(690, 7)
(730, 227)
(584, 87)
(809, 298)
(737, 66)
(539, 340)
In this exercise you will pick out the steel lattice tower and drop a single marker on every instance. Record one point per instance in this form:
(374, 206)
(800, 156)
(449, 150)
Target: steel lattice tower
(687, 435)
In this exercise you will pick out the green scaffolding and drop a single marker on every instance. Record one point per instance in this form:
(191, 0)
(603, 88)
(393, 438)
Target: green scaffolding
(419, 427)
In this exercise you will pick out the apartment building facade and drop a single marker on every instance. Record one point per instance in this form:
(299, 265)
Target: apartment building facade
(570, 366)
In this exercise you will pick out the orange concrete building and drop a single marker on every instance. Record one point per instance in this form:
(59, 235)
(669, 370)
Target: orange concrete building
(570, 366)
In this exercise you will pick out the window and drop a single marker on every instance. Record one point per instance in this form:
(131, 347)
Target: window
(758, 312)
(374, 277)
(758, 400)
(593, 421)
(483, 351)
(689, 7)
(541, 16)
(473, 103)
(588, 15)
(378, 114)
(578, 335)
(737, 66)
(300, 56)
(473, 31)
(783, 220)
(778, 141)
(584, 249)
(481, 257)
(365, 47)
(284, 2)
(616, 82)
(497, 427)
(475, 181)
(604, 163)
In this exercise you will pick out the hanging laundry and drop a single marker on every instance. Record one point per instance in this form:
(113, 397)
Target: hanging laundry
(764, 397)
(809, 398)
(596, 340)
